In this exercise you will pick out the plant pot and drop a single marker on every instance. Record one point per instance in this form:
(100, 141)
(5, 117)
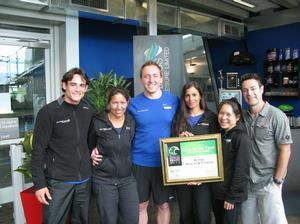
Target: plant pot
(31, 206)
(33, 211)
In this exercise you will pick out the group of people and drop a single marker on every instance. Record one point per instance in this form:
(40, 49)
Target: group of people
(117, 154)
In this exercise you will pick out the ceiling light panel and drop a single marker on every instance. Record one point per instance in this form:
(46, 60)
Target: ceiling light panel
(260, 5)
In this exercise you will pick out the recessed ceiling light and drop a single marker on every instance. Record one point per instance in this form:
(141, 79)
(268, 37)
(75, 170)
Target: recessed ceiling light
(191, 63)
(145, 5)
(250, 5)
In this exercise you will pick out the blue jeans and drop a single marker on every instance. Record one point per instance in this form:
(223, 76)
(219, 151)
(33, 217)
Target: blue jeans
(264, 206)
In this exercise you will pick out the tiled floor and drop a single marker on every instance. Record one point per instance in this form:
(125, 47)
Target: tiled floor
(6, 215)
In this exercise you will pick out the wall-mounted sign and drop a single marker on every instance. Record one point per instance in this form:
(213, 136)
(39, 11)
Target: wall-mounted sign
(232, 80)
(9, 128)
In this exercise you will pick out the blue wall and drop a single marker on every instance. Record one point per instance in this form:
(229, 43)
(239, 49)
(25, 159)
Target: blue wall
(221, 50)
(105, 46)
(258, 42)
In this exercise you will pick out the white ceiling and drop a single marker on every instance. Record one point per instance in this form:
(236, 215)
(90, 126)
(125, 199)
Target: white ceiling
(235, 10)
(267, 13)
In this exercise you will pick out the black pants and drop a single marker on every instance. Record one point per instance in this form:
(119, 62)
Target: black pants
(117, 200)
(223, 216)
(194, 204)
(73, 199)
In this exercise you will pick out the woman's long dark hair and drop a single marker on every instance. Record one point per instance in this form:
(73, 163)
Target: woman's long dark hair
(180, 121)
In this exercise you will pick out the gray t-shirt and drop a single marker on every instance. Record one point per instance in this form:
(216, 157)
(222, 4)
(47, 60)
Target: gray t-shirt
(269, 129)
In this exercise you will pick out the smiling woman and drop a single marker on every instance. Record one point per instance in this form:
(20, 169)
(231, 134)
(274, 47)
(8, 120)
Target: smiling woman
(113, 183)
(236, 147)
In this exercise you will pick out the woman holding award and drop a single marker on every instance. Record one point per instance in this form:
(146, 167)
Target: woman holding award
(236, 145)
(193, 118)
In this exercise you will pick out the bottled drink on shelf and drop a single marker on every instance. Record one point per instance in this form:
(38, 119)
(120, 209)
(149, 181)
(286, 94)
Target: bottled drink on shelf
(289, 66)
(295, 67)
(270, 68)
(295, 53)
(295, 74)
(280, 55)
(281, 69)
(295, 80)
(276, 74)
(285, 80)
(287, 53)
(272, 54)
(269, 80)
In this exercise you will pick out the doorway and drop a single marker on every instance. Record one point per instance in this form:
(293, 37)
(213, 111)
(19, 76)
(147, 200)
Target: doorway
(24, 71)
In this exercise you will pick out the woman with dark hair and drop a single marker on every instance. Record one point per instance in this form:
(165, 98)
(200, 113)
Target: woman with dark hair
(193, 118)
(236, 145)
(113, 182)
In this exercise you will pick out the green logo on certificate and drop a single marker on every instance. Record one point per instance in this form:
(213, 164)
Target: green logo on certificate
(174, 154)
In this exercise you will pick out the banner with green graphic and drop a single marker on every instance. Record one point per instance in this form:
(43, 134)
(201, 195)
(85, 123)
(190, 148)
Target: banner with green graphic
(166, 50)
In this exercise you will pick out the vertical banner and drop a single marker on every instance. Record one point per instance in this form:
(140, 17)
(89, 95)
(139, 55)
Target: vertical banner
(166, 50)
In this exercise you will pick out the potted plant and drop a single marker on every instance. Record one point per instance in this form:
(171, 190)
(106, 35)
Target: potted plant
(27, 148)
(96, 94)
(29, 201)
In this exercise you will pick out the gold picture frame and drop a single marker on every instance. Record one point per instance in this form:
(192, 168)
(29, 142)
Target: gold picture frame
(192, 159)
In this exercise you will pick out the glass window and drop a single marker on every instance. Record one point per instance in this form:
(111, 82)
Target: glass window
(22, 94)
(22, 87)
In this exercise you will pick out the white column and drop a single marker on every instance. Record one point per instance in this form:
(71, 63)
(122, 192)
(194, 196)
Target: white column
(152, 17)
(72, 39)
(17, 155)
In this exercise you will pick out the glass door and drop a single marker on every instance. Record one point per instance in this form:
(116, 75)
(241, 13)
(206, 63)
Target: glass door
(196, 62)
(23, 64)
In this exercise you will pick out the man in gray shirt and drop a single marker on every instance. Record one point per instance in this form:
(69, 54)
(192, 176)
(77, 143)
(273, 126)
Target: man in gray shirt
(271, 140)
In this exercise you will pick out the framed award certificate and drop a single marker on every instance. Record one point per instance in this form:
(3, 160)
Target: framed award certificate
(192, 159)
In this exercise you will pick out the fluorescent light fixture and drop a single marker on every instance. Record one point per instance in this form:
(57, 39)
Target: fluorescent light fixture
(40, 2)
(250, 5)
(186, 36)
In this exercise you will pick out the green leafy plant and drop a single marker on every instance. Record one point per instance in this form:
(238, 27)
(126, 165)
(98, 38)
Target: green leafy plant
(27, 148)
(96, 94)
